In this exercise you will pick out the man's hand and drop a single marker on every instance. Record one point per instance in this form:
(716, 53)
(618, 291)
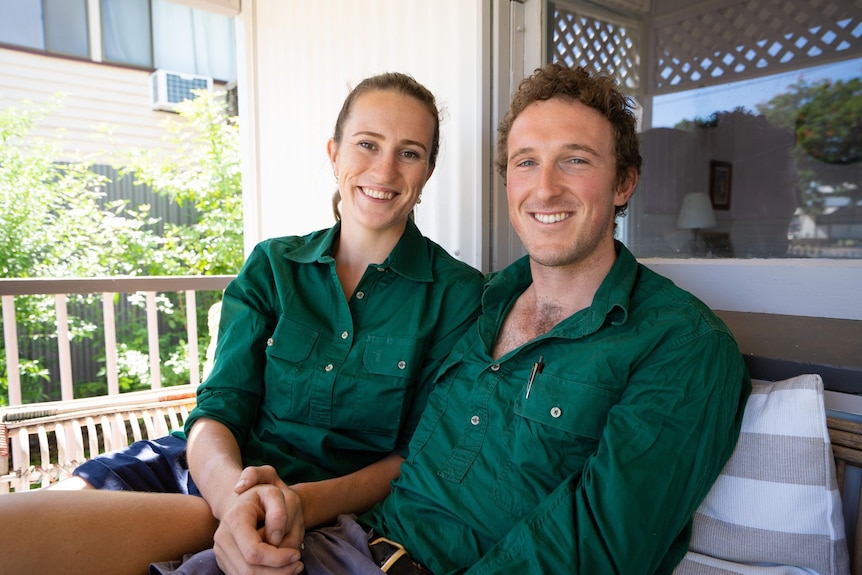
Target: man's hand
(262, 530)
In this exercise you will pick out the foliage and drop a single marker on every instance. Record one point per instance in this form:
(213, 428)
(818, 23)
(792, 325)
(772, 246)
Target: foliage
(203, 171)
(55, 222)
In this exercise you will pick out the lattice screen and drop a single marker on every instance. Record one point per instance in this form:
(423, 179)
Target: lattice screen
(753, 38)
(579, 39)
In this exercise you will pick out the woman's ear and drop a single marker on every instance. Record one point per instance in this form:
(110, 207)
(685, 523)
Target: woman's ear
(332, 152)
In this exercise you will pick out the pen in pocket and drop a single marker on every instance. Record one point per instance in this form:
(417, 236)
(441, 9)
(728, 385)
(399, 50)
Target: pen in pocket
(537, 369)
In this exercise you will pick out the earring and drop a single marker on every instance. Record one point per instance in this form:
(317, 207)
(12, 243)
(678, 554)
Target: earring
(419, 199)
(336, 178)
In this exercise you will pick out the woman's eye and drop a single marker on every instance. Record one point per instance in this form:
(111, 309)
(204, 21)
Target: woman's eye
(366, 145)
(410, 154)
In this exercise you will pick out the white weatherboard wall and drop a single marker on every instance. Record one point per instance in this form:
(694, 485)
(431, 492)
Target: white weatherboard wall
(301, 58)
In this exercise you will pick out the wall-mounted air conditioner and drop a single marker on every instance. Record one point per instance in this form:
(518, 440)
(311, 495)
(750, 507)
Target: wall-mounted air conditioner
(232, 99)
(167, 89)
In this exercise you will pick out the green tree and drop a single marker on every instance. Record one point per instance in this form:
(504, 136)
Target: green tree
(52, 225)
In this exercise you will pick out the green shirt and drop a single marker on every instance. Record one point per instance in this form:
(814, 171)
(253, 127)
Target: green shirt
(317, 385)
(601, 468)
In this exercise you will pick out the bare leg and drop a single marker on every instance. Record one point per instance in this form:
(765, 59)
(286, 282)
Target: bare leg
(94, 531)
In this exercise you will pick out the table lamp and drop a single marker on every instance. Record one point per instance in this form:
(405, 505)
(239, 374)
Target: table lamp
(696, 214)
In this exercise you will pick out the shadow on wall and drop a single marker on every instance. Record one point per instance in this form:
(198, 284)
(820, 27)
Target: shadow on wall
(743, 162)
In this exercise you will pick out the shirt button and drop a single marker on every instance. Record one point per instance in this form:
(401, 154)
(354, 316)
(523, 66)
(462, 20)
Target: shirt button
(402, 364)
(381, 269)
(269, 342)
(495, 367)
(344, 335)
(556, 412)
(474, 420)
(329, 367)
(360, 294)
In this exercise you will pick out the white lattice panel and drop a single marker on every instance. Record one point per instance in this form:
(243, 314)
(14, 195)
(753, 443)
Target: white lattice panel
(750, 38)
(584, 40)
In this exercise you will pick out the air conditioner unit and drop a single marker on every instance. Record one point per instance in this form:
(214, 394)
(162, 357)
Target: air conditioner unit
(232, 99)
(167, 89)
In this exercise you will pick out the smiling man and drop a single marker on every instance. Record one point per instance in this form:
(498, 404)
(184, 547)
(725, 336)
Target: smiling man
(579, 425)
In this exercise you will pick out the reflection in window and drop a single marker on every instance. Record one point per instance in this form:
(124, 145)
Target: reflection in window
(57, 26)
(126, 36)
(161, 34)
(792, 144)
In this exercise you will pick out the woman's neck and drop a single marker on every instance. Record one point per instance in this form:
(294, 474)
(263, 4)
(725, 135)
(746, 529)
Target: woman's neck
(359, 247)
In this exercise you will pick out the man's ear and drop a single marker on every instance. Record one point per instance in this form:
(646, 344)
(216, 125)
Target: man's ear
(626, 188)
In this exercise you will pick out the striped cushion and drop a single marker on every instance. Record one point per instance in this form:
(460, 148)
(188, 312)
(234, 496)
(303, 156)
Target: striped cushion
(775, 508)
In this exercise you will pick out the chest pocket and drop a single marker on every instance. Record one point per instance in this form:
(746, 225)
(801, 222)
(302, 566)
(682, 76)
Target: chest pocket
(286, 352)
(384, 395)
(573, 407)
(393, 356)
(555, 430)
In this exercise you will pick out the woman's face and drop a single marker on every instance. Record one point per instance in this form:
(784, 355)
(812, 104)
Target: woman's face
(382, 159)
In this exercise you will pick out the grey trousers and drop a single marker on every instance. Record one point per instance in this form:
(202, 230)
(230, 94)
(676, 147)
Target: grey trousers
(340, 549)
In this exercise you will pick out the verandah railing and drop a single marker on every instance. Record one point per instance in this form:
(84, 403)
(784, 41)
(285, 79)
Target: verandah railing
(60, 289)
(64, 433)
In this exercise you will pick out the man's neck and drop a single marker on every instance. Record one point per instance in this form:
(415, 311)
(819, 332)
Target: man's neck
(557, 293)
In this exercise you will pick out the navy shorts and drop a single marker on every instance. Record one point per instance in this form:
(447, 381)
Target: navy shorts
(154, 465)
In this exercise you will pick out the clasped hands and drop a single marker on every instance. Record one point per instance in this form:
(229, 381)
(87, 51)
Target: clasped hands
(261, 531)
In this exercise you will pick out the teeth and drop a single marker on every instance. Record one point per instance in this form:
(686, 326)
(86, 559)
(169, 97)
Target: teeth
(378, 194)
(551, 218)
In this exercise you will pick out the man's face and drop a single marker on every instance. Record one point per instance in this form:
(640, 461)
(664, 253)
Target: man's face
(561, 175)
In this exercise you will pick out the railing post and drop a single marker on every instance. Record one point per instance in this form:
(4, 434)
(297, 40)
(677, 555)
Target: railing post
(192, 330)
(10, 339)
(65, 354)
(110, 343)
(153, 340)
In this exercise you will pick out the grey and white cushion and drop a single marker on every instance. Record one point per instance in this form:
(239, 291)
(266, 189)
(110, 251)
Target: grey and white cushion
(775, 509)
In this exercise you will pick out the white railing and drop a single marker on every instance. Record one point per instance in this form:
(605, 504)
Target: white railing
(41, 443)
(60, 289)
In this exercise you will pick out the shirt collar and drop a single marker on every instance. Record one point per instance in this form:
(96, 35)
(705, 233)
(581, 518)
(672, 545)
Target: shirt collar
(610, 304)
(409, 258)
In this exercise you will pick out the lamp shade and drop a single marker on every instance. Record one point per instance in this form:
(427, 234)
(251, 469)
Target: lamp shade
(696, 212)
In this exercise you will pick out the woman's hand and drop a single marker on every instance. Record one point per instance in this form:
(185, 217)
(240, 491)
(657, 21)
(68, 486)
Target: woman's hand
(262, 529)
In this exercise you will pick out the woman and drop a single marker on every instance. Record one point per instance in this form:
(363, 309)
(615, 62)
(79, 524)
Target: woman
(325, 344)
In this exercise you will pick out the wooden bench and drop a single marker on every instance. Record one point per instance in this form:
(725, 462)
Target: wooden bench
(846, 438)
(43, 443)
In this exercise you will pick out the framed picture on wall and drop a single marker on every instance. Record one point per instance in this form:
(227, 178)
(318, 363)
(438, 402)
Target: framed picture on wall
(719, 184)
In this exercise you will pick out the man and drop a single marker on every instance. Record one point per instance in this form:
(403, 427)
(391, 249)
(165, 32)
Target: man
(579, 426)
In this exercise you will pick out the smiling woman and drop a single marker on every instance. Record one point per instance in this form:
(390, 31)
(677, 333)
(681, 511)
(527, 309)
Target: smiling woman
(326, 346)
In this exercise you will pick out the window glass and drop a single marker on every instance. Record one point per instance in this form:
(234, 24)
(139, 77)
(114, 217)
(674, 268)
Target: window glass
(21, 23)
(126, 35)
(780, 159)
(66, 27)
(193, 41)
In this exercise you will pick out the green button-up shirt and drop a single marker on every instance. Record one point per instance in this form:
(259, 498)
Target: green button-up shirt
(600, 469)
(318, 385)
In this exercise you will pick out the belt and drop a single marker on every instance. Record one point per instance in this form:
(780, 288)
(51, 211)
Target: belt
(393, 559)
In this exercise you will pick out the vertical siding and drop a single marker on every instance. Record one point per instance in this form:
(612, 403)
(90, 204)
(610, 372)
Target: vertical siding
(308, 54)
(95, 94)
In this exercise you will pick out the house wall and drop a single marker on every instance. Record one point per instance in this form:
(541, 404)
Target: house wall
(301, 58)
(95, 95)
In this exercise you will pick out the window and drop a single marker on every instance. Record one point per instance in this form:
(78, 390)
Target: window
(57, 26)
(161, 34)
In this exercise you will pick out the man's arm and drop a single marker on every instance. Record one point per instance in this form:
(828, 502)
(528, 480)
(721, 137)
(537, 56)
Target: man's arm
(664, 444)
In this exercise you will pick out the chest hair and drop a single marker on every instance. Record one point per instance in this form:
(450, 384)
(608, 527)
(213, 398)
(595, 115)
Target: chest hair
(526, 321)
